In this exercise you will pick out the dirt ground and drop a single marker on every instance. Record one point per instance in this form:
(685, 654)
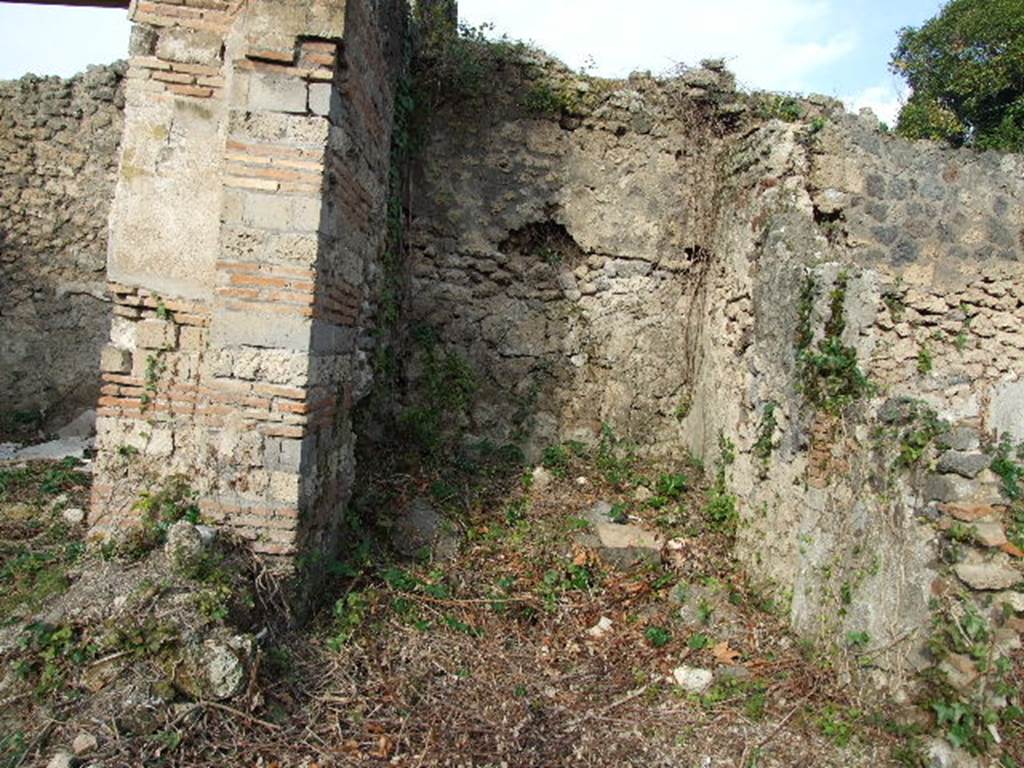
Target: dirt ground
(524, 649)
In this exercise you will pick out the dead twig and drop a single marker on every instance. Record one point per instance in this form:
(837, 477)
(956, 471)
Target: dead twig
(240, 713)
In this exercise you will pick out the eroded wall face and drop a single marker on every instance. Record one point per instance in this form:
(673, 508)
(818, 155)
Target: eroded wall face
(58, 158)
(845, 509)
(240, 280)
(562, 261)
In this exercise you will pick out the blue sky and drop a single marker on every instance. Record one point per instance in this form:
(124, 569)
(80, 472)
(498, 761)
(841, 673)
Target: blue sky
(836, 47)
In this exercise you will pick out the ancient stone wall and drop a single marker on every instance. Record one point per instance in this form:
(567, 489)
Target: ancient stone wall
(562, 259)
(58, 156)
(838, 308)
(844, 244)
(835, 309)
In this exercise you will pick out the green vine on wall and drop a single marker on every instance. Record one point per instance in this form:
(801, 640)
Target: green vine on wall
(830, 375)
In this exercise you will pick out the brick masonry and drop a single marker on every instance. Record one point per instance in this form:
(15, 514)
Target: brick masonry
(244, 381)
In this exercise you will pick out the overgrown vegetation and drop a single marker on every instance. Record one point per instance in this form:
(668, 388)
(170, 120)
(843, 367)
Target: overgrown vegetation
(912, 426)
(965, 68)
(158, 509)
(720, 507)
(971, 722)
(433, 424)
(830, 375)
(1008, 464)
(765, 443)
(36, 548)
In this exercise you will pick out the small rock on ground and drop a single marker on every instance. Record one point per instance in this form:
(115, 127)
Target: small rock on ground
(541, 478)
(602, 628)
(84, 743)
(61, 760)
(692, 679)
(419, 529)
(73, 516)
(184, 546)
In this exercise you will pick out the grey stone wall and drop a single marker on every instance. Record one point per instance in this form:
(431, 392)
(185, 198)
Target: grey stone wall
(58, 157)
(562, 258)
(647, 256)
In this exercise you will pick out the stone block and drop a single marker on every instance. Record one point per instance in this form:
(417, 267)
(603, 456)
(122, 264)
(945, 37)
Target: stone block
(115, 360)
(968, 465)
(156, 334)
(994, 573)
(159, 443)
(990, 533)
(142, 40)
(306, 214)
(1007, 410)
(267, 211)
(190, 46)
(284, 487)
(320, 98)
(277, 93)
(953, 488)
(191, 339)
(961, 439)
(283, 455)
(254, 329)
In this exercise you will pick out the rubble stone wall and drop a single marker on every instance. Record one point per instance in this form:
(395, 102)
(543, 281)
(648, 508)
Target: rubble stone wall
(847, 511)
(562, 259)
(58, 158)
(840, 307)
(631, 269)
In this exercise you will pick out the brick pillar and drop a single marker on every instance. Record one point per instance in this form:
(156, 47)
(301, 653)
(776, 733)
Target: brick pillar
(248, 214)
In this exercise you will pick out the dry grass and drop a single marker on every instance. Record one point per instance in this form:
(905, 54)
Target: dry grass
(485, 660)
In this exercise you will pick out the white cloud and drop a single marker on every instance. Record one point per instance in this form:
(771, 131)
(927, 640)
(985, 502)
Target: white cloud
(776, 44)
(884, 99)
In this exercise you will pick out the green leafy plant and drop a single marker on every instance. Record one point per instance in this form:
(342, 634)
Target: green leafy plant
(350, 611)
(658, 637)
(780, 107)
(155, 368)
(682, 410)
(434, 424)
(615, 459)
(915, 430)
(765, 443)
(547, 98)
(858, 640)
(720, 505)
(837, 724)
(925, 360)
(556, 460)
(158, 510)
(698, 641)
(671, 486)
(830, 374)
(619, 514)
(1007, 464)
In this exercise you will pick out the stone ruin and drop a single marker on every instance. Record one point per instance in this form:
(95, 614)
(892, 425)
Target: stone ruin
(663, 256)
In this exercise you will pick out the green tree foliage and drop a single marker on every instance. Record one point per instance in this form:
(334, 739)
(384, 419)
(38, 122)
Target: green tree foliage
(966, 69)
